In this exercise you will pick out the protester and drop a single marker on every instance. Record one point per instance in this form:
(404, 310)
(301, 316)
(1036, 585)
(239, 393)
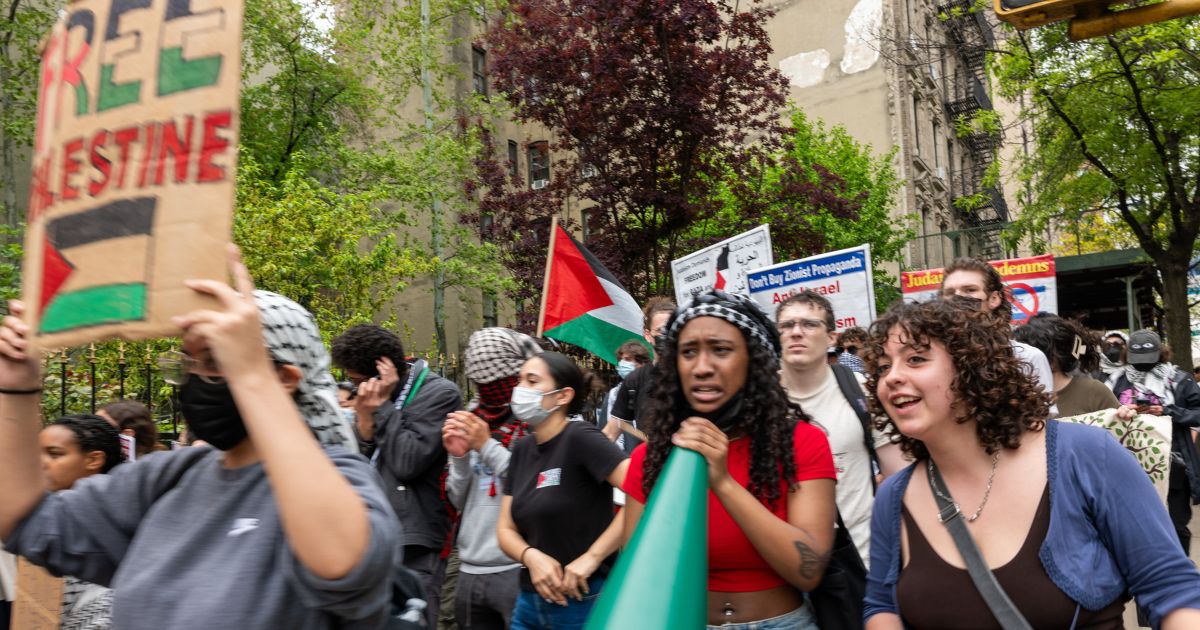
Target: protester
(1156, 387)
(133, 418)
(1112, 355)
(268, 530)
(976, 279)
(973, 419)
(1071, 350)
(479, 442)
(832, 396)
(74, 448)
(399, 408)
(849, 342)
(633, 390)
(630, 356)
(8, 587)
(771, 478)
(556, 517)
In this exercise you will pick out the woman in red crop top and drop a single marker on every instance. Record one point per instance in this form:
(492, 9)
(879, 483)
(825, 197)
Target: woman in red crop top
(771, 474)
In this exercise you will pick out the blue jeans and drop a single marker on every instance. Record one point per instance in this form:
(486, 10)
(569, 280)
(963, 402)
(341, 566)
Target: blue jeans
(534, 613)
(800, 619)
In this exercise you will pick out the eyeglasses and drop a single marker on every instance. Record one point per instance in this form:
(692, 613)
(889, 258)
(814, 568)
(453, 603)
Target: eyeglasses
(809, 325)
(175, 367)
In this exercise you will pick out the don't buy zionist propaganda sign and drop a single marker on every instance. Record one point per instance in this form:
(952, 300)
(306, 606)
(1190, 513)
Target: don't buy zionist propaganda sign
(134, 166)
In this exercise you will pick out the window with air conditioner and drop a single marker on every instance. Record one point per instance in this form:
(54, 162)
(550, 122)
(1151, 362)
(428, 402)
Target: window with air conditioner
(539, 165)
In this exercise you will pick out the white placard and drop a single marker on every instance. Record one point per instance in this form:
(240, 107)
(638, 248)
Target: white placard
(722, 266)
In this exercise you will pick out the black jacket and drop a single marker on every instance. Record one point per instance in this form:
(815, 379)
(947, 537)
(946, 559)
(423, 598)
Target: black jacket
(411, 459)
(1185, 415)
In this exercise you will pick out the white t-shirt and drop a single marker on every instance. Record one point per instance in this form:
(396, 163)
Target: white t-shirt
(1039, 366)
(832, 413)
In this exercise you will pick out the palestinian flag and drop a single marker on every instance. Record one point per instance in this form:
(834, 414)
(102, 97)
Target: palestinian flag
(582, 303)
(722, 268)
(95, 266)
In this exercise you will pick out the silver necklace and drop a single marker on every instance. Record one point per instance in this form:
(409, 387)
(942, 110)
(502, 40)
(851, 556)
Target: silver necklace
(986, 491)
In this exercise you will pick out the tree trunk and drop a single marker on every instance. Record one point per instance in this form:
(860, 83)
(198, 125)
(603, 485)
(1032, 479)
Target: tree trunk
(1175, 304)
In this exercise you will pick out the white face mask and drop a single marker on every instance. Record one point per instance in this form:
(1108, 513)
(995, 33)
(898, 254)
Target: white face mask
(527, 405)
(625, 368)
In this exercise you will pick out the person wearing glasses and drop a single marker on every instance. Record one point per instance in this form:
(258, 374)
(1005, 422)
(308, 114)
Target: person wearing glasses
(771, 507)
(281, 525)
(1064, 517)
(833, 396)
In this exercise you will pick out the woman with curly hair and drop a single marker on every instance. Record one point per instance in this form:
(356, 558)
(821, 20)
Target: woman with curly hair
(771, 475)
(1063, 516)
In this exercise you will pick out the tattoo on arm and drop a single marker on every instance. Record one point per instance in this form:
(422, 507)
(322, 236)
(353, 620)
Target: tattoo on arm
(812, 564)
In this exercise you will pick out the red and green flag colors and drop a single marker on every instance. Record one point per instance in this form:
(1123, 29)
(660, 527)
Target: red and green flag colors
(114, 243)
(661, 578)
(583, 303)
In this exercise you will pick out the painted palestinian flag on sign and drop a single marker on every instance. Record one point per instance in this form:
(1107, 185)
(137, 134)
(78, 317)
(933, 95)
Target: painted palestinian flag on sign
(584, 304)
(95, 266)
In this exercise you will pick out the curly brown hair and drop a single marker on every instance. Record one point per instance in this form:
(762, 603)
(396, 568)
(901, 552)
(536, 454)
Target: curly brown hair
(768, 418)
(996, 389)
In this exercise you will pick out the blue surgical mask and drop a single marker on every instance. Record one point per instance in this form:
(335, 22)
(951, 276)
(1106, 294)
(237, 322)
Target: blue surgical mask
(625, 368)
(527, 405)
(348, 414)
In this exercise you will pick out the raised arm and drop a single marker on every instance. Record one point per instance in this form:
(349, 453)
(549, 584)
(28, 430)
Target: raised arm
(324, 519)
(20, 470)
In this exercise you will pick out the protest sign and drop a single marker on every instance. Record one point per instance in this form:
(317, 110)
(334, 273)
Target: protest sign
(133, 166)
(38, 605)
(1030, 283)
(722, 266)
(843, 277)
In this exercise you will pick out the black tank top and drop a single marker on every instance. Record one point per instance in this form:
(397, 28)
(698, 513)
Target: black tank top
(933, 594)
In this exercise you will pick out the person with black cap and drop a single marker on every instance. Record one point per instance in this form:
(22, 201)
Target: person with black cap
(1158, 388)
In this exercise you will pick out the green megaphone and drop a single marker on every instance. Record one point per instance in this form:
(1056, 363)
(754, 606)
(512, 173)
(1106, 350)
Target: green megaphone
(661, 579)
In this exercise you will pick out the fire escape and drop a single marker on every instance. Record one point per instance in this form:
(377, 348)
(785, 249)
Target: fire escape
(970, 37)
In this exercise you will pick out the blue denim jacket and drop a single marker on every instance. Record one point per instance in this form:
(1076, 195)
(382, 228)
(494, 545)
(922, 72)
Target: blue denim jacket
(1109, 532)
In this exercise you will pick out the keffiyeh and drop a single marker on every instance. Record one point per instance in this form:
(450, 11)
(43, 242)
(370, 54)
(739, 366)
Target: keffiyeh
(291, 336)
(733, 308)
(1160, 381)
(496, 353)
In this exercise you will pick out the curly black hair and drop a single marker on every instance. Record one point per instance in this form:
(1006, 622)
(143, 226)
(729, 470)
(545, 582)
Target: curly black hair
(997, 391)
(94, 433)
(768, 418)
(1066, 343)
(362, 345)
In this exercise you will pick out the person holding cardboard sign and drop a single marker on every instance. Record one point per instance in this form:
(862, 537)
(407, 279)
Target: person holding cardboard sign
(282, 527)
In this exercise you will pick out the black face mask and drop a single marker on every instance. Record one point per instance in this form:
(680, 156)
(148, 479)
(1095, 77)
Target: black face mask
(1143, 367)
(211, 413)
(724, 416)
(852, 349)
(1113, 353)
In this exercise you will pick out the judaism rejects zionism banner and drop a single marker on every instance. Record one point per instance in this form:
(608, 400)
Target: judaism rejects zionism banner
(134, 166)
(1031, 284)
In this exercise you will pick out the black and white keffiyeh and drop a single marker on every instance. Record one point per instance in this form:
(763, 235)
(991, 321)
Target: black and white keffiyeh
(733, 308)
(1160, 381)
(496, 353)
(85, 606)
(291, 336)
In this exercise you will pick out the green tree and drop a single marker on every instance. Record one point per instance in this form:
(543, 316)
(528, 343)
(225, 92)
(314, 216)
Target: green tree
(22, 25)
(820, 191)
(1115, 122)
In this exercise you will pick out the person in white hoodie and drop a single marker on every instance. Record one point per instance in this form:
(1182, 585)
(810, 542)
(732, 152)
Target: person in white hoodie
(478, 442)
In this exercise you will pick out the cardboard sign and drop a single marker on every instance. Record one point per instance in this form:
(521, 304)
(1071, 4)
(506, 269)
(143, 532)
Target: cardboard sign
(1030, 284)
(722, 266)
(128, 447)
(38, 605)
(844, 277)
(133, 167)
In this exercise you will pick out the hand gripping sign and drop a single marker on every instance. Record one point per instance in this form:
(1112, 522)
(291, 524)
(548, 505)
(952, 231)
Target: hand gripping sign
(133, 168)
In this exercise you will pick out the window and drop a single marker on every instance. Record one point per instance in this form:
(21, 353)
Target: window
(937, 138)
(916, 124)
(512, 158)
(539, 164)
(950, 165)
(479, 70)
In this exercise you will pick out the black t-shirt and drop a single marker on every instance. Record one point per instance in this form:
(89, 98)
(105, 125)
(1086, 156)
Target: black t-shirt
(561, 501)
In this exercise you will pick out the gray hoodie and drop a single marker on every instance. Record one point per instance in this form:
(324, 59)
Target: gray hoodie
(474, 488)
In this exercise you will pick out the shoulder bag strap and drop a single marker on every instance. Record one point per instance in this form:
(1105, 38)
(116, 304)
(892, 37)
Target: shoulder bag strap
(858, 401)
(985, 581)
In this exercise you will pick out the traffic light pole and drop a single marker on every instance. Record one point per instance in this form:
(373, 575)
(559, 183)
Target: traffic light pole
(1098, 21)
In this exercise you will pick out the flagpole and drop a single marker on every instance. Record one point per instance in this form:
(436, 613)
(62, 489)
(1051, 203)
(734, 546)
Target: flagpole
(546, 280)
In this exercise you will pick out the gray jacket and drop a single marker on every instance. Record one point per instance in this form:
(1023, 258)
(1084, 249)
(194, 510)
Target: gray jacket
(474, 488)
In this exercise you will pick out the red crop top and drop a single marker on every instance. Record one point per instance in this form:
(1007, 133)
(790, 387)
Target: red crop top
(734, 565)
